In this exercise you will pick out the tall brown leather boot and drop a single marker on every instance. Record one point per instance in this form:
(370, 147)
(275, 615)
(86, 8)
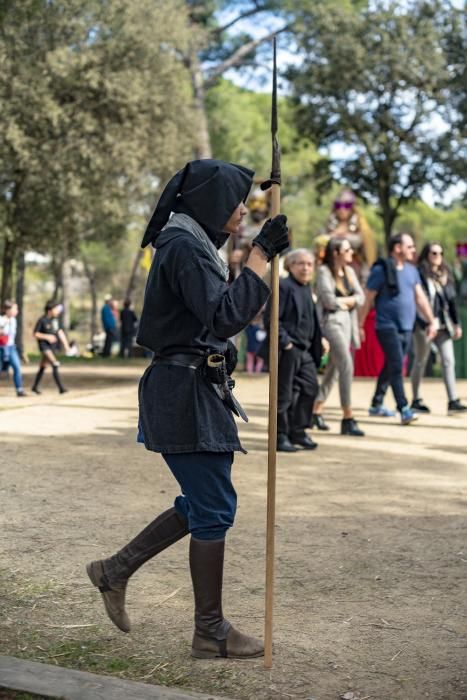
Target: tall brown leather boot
(214, 636)
(111, 575)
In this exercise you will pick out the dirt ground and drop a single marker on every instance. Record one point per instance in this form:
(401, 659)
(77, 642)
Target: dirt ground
(370, 542)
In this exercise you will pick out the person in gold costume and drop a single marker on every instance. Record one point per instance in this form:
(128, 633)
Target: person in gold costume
(347, 221)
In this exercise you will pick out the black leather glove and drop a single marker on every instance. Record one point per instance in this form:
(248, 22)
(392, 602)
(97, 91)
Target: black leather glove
(273, 237)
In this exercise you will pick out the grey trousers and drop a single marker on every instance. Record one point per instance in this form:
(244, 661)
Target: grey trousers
(338, 330)
(421, 348)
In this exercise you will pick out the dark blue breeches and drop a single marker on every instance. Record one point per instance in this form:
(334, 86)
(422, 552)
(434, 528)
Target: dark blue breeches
(208, 501)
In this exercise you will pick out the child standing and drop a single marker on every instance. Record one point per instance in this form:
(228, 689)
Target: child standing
(49, 334)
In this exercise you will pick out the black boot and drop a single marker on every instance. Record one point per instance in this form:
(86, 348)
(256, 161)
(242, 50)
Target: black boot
(37, 380)
(284, 444)
(214, 636)
(318, 421)
(57, 379)
(303, 440)
(419, 406)
(349, 426)
(455, 406)
(111, 575)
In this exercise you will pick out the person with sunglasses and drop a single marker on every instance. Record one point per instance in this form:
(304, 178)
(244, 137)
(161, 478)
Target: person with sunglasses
(395, 289)
(346, 221)
(439, 287)
(339, 295)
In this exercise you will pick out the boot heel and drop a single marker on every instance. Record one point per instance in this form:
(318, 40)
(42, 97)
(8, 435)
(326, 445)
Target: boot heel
(92, 575)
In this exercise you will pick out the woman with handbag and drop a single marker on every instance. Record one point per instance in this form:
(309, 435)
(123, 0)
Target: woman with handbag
(339, 295)
(9, 355)
(439, 287)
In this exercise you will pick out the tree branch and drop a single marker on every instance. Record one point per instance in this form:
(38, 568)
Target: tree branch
(237, 57)
(243, 15)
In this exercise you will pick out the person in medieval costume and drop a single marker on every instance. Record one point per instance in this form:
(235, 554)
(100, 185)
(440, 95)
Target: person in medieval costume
(185, 399)
(347, 221)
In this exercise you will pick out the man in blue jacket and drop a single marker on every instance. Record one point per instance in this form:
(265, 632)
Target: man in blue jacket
(109, 324)
(395, 288)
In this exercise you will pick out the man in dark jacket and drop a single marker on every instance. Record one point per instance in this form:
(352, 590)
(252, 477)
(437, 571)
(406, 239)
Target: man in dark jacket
(185, 404)
(300, 350)
(128, 321)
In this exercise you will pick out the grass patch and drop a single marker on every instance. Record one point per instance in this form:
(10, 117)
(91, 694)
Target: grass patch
(97, 656)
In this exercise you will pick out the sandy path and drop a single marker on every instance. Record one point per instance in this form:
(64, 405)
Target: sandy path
(371, 547)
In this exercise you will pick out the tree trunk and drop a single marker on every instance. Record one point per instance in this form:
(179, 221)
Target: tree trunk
(388, 213)
(203, 142)
(7, 270)
(58, 279)
(93, 290)
(134, 273)
(20, 275)
(66, 294)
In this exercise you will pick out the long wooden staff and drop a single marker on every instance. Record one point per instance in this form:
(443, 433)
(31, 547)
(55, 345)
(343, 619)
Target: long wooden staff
(274, 183)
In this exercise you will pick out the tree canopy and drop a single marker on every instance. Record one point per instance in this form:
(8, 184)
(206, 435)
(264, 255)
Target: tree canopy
(94, 111)
(383, 81)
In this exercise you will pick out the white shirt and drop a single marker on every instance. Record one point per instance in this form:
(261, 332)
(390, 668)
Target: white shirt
(8, 327)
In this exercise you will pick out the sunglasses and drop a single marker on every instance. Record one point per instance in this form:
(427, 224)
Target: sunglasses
(343, 205)
(436, 252)
(346, 250)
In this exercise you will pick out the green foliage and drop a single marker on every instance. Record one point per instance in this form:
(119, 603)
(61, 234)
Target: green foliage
(93, 112)
(430, 224)
(381, 79)
(240, 131)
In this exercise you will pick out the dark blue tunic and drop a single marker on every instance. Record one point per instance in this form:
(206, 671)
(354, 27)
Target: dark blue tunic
(188, 307)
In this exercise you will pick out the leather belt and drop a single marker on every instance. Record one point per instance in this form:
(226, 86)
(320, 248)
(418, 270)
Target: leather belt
(180, 359)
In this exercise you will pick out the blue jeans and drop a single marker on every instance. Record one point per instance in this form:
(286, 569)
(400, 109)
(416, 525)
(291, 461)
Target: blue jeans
(9, 357)
(395, 345)
(208, 501)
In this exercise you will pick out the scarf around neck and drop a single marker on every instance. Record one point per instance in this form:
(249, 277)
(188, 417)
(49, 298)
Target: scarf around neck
(188, 224)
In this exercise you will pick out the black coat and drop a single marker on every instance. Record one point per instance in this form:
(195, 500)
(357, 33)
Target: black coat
(447, 304)
(290, 315)
(188, 307)
(128, 321)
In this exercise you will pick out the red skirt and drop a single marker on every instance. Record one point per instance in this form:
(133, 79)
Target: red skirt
(369, 359)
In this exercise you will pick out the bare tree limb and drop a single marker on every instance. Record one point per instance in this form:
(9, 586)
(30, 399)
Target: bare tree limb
(237, 57)
(243, 15)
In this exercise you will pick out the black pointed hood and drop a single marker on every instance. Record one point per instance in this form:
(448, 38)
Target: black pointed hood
(207, 190)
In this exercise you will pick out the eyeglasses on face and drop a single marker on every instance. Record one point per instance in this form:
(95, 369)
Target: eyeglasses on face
(436, 252)
(343, 205)
(347, 250)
